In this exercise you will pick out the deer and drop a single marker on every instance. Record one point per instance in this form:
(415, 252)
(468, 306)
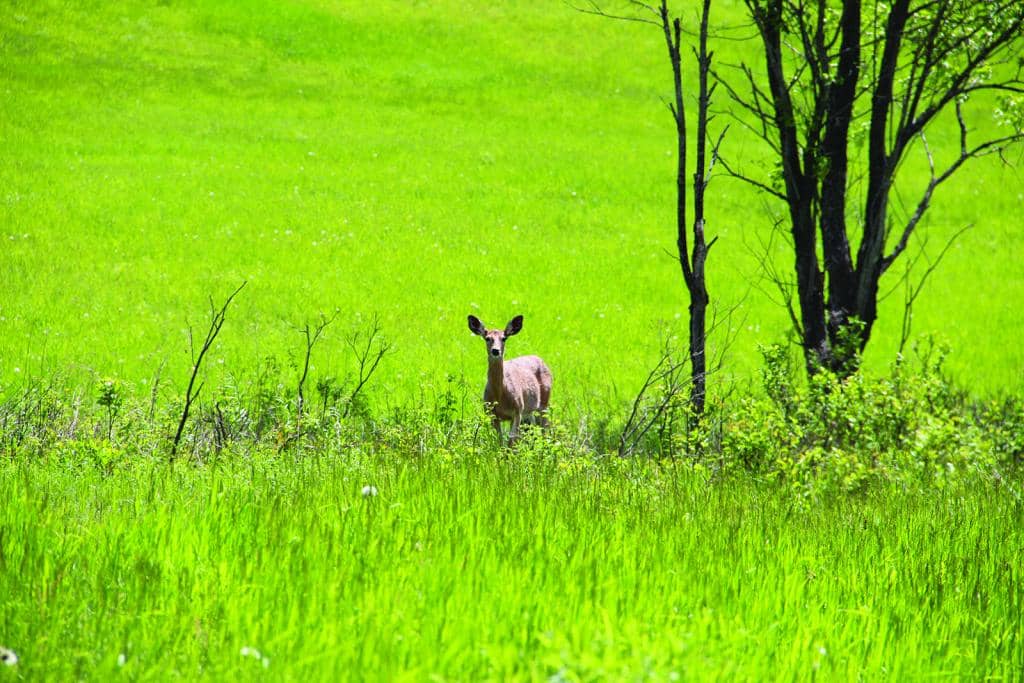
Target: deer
(516, 387)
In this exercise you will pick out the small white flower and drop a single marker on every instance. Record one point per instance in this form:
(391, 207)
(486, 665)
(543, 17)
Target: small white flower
(255, 654)
(369, 491)
(8, 657)
(121, 659)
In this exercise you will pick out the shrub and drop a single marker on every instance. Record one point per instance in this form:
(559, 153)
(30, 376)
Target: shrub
(911, 427)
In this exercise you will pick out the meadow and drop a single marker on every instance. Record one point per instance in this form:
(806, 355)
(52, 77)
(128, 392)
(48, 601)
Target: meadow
(409, 160)
(410, 163)
(470, 566)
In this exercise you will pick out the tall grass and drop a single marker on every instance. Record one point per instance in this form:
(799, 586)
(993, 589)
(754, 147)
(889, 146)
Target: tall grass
(476, 565)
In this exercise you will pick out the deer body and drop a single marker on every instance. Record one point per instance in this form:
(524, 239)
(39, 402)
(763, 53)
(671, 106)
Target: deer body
(516, 387)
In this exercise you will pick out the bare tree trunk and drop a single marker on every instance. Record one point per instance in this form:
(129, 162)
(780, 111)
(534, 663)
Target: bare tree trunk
(838, 98)
(880, 172)
(800, 190)
(697, 284)
(692, 264)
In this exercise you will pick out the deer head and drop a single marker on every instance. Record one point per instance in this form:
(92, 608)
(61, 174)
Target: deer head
(495, 338)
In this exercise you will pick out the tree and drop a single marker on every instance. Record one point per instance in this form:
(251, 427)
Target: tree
(692, 262)
(894, 69)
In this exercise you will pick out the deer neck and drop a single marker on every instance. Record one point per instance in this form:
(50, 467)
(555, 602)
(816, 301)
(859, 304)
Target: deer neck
(496, 376)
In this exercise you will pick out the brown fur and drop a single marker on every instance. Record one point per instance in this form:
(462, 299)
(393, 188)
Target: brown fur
(517, 387)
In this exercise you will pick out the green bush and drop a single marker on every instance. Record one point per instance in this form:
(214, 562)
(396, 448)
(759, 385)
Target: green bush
(912, 427)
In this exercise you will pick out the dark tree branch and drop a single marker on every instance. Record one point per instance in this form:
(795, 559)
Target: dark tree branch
(312, 335)
(596, 10)
(988, 147)
(784, 287)
(959, 84)
(750, 181)
(714, 159)
(641, 417)
(925, 61)
(913, 291)
(754, 106)
(217, 317)
(692, 263)
(367, 356)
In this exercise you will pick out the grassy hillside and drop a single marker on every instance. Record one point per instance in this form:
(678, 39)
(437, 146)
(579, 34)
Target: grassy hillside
(419, 161)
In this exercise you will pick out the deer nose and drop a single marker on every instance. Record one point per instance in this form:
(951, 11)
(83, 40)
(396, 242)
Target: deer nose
(495, 352)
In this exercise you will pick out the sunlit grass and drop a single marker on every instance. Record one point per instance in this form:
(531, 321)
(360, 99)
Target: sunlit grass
(477, 566)
(418, 162)
(422, 161)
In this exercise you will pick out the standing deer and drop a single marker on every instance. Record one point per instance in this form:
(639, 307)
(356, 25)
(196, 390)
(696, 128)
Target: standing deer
(516, 387)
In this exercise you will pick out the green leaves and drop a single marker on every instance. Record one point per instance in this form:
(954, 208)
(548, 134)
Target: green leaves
(833, 435)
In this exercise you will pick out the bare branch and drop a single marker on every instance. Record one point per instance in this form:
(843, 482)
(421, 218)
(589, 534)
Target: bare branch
(643, 415)
(714, 157)
(596, 10)
(912, 292)
(366, 356)
(966, 153)
(755, 106)
(312, 336)
(783, 286)
(959, 84)
(217, 317)
(731, 332)
(747, 179)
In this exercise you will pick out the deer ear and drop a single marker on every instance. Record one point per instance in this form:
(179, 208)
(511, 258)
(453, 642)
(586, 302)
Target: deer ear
(514, 325)
(475, 326)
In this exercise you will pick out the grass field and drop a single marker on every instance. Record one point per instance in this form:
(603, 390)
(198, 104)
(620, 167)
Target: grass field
(416, 162)
(475, 568)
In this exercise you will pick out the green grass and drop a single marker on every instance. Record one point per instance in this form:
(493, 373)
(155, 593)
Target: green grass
(478, 567)
(416, 161)
(422, 161)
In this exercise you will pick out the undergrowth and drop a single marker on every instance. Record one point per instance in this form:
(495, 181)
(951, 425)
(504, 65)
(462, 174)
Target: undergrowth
(912, 426)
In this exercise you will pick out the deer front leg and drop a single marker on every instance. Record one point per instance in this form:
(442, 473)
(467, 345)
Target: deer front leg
(496, 423)
(513, 433)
